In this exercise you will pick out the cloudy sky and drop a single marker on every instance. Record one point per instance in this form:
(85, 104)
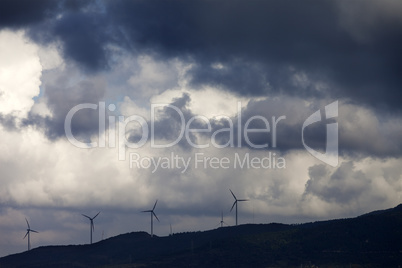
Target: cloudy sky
(154, 69)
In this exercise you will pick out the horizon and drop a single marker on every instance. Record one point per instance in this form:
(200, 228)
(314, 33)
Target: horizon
(165, 226)
(206, 230)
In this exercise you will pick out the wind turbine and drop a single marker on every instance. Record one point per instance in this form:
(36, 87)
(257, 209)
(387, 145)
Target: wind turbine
(152, 217)
(29, 230)
(222, 222)
(235, 203)
(91, 225)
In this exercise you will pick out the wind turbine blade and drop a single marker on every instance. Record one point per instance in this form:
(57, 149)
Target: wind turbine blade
(33, 231)
(233, 194)
(27, 223)
(233, 205)
(93, 226)
(146, 211)
(155, 216)
(26, 235)
(86, 216)
(243, 200)
(155, 205)
(96, 215)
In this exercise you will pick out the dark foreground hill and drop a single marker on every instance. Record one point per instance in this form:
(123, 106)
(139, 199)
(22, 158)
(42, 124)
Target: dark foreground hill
(371, 240)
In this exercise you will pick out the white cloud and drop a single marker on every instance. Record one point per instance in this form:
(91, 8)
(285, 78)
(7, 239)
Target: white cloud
(380, 132)
(153, 77)
(209, 102)
(20, 72)
(50, 57)
(130, 107)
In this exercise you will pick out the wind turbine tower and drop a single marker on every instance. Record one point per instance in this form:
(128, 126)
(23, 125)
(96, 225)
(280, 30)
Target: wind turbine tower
(235, 203)
(29, 230)
(222, 222)
(152, 217)
(91, 224)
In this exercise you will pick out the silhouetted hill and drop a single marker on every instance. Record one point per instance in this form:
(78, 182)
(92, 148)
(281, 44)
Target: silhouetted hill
(370, 240)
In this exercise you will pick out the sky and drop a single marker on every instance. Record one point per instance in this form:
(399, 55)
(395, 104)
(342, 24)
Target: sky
(111, 105)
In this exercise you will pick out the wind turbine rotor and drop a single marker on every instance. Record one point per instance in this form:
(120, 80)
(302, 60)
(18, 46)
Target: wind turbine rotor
(233, 195)
(153, 213)
(86, 216)
(235, 202)
(96, 215)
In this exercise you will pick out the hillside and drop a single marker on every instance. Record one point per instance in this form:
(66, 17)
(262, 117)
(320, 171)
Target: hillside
(370, 240)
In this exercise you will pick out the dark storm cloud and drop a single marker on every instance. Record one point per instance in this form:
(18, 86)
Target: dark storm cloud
(252, 48)
(284, 120)
(84, 37)
(24, 13)
(78, 24)
(61, 98)
(343, 186)
(168, 124)
(263, 46)
(358, 136)
(21, 13)
(257, 42)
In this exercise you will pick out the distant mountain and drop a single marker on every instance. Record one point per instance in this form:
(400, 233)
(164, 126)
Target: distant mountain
(370, 240)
